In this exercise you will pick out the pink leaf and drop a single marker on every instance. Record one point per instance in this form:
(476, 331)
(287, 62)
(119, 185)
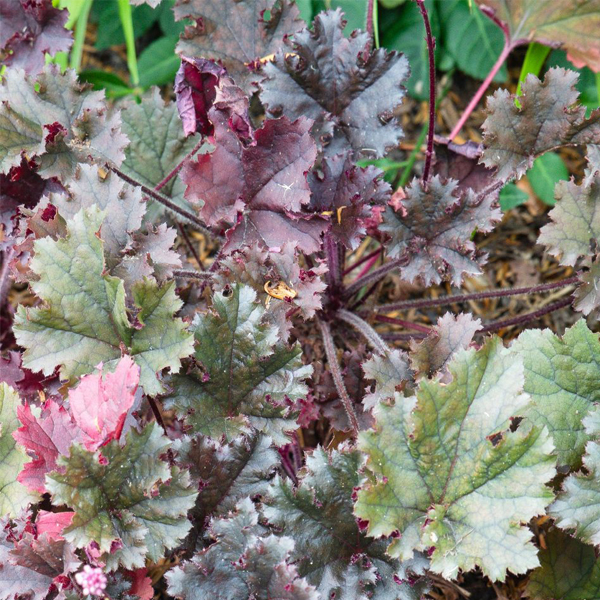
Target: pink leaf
(142, 585)
(53, 524)
(99, 405)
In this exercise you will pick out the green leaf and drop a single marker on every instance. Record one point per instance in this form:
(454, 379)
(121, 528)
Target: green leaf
(125, 494)
(472, 39)
(247, 375)
(14, 496)
(354, 12)
(110, 31)
(448, 473)
(562, 376)
(244, 562)
(113, 85)
(546, 172)
(511, 197)
(158, 63)
(533, 63)
(157, 146)
(404, 31)
(167, 19)
(578, 505)
(317, 515)
(569, 570)
(84, 320)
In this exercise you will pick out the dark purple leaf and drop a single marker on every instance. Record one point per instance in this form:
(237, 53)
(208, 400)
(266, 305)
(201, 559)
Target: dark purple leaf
(339, 83)
(31, 28)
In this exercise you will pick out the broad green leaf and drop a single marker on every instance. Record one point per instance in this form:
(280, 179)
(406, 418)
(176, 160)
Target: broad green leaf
(243, 562)
(474, 41)
(511, 196)
(569, 570)
(110, 29)
(84, 320)
(157, 146)
(317, 515)
(572, 24)
(546, 172)
(449, 474)
(575, 221)
(125, 494)
(158, 63)
(247, 375)
(562, 376)
(578, 505)
(14, 496)
(112, 84)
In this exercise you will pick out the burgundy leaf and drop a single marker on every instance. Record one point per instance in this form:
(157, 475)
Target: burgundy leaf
(548, 118)
(347, 192)
(52, 524)
(238, 33)
(45, 436)
(433, 230)
(339, 83)
(195, 89)
(31, 28)
(99, 404)
(26, 382)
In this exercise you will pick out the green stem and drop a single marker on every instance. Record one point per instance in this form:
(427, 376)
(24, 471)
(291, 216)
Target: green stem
(533, 63)
(80, 29)
(125, 13)
(376, 23)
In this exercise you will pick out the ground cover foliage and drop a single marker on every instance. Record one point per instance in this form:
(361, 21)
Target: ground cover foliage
(151, 412)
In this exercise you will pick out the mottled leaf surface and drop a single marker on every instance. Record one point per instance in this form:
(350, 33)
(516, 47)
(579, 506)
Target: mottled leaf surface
(568, 570)
(236, 32)
(130, 496)
(331, 551)
(84, 320)
(432, 231)
(562, 376)
(243, 562)
(339, 83)
(574, 229)
(245, 374)
(389, 372)
(571, 24)
(30, 29)
(449, 475)
(58, 121)
(587, 294)
(13, 494)
(548, 118)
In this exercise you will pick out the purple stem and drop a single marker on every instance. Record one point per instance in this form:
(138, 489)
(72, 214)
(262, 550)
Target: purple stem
(508, 47)
(370, 18)
(365, 329)
(403, 337)
(189, 245)
(157, 414)
(333, 263)
(368, 266)
(373, 277)
(402, 323)
(431, 52)
(363, 260)
(180, 165)
(161, 199)
(336, 373)
(445, 300)
(364, 297)
(187, 274)
(532, 316)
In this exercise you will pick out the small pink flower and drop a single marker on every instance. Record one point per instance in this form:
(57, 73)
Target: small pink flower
(92, 580)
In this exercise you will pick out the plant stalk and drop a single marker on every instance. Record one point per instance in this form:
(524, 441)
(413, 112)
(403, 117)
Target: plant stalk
(446, 300)
(363, 260)
(188, 274)
(373, 277)
(336, 373)
(431, 52)
(365, 330)
(402, 323)
(126, 16)
(80, 30)
(333, 264)
(190, 246)
(180, 165)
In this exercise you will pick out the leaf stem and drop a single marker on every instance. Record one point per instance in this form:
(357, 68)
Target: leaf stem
(162, 199)
(363, 260)
(370, 9)
(446, 300)
(508, 47)
(336, 373)
(157, 414)
(80, 30)
(365, 329)
(190, 246)
(333, 263)
(373, 277)
(126, 16)
(431, 52)
(188, 274)
(180, 165)
(402, 323)
(526, 318)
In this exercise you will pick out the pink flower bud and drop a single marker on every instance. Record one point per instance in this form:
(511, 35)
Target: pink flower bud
(92, 580)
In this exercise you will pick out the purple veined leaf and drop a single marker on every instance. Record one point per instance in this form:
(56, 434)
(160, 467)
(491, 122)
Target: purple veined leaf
(30, 29)
(349, 91)
(433, 229)
(569, 24)
(347, 193)
(547, 119)
(238, 33)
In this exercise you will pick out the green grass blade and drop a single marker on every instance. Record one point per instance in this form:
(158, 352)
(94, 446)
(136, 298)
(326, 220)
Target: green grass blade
(125, 13)
(533, 63)
(80, 29)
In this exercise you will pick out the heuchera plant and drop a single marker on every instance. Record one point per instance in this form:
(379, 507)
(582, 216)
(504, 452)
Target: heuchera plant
(151, 415)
